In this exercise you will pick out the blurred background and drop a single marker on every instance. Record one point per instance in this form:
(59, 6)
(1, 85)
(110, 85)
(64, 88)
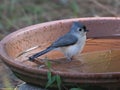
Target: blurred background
(16, 14)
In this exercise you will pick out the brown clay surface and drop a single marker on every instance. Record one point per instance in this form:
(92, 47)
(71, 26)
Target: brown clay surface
(99, 62)
(101, 59)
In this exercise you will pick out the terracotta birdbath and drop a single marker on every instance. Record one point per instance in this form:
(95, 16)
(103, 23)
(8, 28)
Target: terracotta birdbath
(97, 65)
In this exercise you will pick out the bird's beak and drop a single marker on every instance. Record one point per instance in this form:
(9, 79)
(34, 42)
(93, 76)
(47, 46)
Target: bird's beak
(86, 30)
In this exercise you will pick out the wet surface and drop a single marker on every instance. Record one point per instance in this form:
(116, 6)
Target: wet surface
(99, 56)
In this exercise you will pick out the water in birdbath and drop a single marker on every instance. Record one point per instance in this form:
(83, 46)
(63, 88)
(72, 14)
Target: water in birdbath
(98, 56)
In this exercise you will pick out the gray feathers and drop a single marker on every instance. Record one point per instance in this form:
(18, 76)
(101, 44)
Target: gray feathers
(65, 40)
(71, 41)
(40, 53)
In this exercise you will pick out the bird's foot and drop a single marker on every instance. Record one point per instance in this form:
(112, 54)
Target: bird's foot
(69, 59)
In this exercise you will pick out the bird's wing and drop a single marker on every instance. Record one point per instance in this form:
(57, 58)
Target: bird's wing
(65, 40)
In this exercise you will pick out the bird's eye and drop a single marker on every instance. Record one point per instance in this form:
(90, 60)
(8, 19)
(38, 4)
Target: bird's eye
(80, 29)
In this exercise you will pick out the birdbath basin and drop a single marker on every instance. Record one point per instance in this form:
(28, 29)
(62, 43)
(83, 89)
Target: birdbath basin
(97, 65)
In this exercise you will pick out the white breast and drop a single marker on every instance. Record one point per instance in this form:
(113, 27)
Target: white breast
(72, 50)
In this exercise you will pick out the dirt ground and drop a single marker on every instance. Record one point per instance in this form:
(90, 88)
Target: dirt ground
(7, 78)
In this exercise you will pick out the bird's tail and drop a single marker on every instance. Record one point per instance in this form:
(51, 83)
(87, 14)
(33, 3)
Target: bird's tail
(32, 58)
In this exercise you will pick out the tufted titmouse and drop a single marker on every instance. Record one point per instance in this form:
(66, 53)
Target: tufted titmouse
(69, 44)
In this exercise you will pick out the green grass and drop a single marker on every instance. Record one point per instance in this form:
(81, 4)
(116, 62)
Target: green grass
(55, 79)
(52, 79)
(16, 14)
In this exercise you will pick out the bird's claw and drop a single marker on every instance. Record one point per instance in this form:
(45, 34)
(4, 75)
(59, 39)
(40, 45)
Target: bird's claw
(69, 59)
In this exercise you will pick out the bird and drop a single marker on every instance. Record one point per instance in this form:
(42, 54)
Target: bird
(69, 44)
